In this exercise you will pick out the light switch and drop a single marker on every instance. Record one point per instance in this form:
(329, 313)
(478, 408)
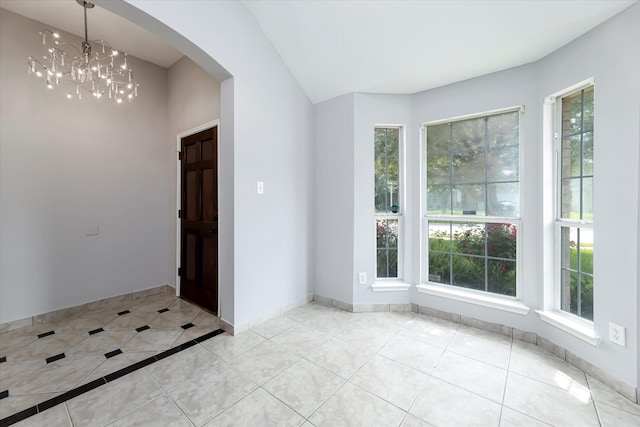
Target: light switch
(260, 187)
(92, 230)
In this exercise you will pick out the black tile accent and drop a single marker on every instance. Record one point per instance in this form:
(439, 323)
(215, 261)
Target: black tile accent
(123, 312)
(96, 331)
(56, 357)
(47, 404)
(175, 350)
(112, 353)
(29, 412)
(22, 415)
(209, 335)
(187, 325)
(3, 359)
(45, 334)
(163, 310)
(142, 328)
(131, 368)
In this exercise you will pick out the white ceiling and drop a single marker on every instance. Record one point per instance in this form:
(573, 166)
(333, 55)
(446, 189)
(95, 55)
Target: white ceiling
(337, 47)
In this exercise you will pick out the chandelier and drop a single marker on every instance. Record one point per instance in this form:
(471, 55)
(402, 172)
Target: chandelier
(93, 68)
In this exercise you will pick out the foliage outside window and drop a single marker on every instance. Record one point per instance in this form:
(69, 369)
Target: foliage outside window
(575, 207)
(473, 202)
(387, 200)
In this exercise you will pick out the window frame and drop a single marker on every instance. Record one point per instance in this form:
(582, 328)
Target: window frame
(401, 206)
(481, 297)
(559, 222)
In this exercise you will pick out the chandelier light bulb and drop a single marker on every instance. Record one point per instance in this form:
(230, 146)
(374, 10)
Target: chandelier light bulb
(89, 67)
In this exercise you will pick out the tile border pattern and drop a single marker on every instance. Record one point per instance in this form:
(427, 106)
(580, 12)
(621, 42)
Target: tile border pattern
(48, 404)
(624, 389)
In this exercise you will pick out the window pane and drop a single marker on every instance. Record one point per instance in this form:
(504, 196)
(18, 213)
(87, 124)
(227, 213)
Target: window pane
(381, 263)
(438, 169)
(587, 147)
(501, 240)
(587, 199)
(502, 164)
(588, 109)
(468, 238)
(502, 129)
(438, 199)
(568, 245)
(577, 271)
(387, 247)
(586, 296)
(439, 236)
(468, 135)
(571, 198)
(571, 156)
(438, 139)
(468, 200)
(393, 137)
(569, 291)
(501, 277)
(468, 167)
(393, 263)
(572, 114)
(379, 142)
(503, 199)
(381, 198)
(586, 251)
(468, 272)
(439, 268)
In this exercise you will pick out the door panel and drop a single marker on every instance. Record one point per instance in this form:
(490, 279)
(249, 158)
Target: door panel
(199, 220)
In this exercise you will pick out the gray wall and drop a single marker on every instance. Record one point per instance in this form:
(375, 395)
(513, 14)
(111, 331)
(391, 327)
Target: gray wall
(66, 166)
(611, 54)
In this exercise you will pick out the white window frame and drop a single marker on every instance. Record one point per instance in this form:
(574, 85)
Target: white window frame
(508, 303)
(559, 221)
(573, 324)
(397, 216)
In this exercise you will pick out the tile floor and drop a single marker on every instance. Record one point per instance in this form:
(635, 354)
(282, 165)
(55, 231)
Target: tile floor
(313, 366)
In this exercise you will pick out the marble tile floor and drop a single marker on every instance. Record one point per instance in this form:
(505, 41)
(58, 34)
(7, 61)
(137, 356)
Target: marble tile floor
(313, 366)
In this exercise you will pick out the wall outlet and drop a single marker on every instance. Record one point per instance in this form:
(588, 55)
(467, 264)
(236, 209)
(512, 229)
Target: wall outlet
(362, 278)
(617, 334)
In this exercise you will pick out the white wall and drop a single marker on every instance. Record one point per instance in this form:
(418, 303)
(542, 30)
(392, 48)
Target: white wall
(374, 110)
(334, 192)
(67, 165)
(272, 126)
(511, 88)
(611, 54)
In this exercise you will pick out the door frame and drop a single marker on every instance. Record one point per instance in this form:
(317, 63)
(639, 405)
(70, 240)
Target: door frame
(184, 134)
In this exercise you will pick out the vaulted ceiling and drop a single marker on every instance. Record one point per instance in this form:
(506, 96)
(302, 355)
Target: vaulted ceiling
(337, 47)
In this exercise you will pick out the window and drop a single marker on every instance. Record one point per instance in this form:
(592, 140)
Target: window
(387, 201)
(473, 202)
(574, 217)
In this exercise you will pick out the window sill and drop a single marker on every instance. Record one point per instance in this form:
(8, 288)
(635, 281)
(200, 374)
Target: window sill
(478, 298)
(576, 327)
(390, 286)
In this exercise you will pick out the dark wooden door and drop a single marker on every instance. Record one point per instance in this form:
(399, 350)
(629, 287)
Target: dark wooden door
(199, 219)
